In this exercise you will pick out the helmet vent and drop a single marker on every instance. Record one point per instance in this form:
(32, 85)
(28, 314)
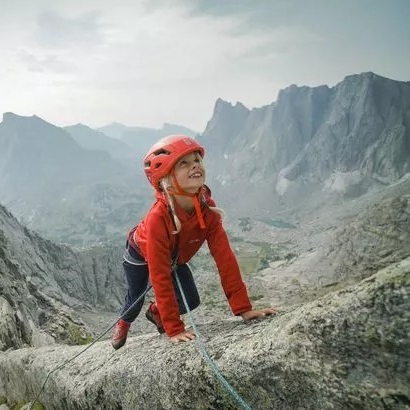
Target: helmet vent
(161, 152)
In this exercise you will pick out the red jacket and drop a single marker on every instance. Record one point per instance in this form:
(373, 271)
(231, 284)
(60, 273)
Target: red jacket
(155, 241)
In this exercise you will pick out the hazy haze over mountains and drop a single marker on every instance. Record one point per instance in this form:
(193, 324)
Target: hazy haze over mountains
(92, 139)
(38, 155)
(52, 183)
(310, 146)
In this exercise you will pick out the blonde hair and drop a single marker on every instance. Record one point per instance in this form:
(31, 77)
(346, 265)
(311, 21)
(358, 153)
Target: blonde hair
(165, 185)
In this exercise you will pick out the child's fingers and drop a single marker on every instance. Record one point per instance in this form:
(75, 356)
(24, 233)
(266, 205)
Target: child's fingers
(183, 337)
(271, 311)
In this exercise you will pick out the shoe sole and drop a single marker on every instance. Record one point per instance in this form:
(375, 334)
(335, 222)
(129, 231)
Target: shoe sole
(118, 345)
(159, 329)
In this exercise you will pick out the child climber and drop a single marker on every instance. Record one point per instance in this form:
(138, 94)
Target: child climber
(182, 218)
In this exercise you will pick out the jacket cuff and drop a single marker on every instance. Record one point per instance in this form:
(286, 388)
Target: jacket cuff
(239, 302)
(174, 330)
(244, 309)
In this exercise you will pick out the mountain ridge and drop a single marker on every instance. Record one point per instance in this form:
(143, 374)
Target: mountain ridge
(291, 149)
(92, 139)
(312, 146)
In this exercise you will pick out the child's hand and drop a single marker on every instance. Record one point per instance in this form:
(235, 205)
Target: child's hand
(254, 314)
(185, 336)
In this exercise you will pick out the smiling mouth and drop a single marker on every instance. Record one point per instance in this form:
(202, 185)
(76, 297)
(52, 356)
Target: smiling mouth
(196, 175)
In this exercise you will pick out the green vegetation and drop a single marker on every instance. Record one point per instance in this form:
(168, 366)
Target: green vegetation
(248, 263)
(212, 296)
(3, 400)
(78, 336)
(371, 335)
(263, 263)
(252, 257)
(37, 405)
(255, 256)
(254, 298)
(245, 224)
(234, 238)
(278, 223)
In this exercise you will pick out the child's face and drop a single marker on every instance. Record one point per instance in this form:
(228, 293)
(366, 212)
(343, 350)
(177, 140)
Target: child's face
(190, 172)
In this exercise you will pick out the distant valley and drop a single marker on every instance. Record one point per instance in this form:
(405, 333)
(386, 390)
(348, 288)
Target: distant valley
(312, 147)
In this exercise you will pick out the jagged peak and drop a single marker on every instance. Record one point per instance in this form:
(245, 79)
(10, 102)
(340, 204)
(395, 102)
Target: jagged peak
(368, 77)
(222, 105)
(295, 90)
(221, 102)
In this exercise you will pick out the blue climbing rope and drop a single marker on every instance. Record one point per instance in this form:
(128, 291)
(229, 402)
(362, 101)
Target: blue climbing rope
(199, 341)
(205, 354)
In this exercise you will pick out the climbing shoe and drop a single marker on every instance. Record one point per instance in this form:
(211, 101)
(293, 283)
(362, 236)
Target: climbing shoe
(153, 316)
(119, 336)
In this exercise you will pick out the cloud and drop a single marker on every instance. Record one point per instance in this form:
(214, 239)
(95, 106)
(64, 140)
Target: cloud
(144, 62)
(55, 31)
(45, 63)
(165, 44)
(60, 43)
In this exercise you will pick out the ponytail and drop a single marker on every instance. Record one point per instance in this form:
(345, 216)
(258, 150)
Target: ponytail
(164, 183)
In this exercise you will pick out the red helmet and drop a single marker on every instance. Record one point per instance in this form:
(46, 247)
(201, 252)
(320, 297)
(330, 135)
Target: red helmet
(163, 155)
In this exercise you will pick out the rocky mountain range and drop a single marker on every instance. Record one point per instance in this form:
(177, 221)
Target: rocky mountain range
(37, 157)
(41, 284)
(346, 346)
(75, 184)
(65, 190)
(311, 145)
(91, 139)
(317, 190)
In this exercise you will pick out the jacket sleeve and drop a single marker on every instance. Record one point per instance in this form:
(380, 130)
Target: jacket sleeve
(231, 280)
(159, 265)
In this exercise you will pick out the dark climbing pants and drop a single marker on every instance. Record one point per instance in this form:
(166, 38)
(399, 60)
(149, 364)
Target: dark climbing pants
(137, 276)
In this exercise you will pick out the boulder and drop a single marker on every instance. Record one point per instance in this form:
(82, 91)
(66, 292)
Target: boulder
(348, 349)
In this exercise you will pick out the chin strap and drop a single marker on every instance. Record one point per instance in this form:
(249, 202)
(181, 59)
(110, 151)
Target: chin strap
(195, 198)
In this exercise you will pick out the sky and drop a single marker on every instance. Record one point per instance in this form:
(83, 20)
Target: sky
(147, 62)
